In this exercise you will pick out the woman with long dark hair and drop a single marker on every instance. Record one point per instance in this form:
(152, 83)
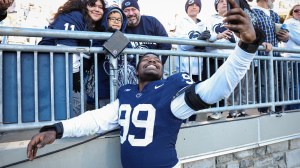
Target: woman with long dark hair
(76, 15)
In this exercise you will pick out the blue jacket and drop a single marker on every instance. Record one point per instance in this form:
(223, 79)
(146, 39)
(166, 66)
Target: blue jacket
(73, 21)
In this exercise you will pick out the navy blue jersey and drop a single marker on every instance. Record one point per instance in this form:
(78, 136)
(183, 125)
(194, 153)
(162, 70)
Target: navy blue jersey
(73, 21)
(148, 127)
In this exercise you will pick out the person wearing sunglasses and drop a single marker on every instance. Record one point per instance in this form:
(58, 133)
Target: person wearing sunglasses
(292, 22)
(76, 15)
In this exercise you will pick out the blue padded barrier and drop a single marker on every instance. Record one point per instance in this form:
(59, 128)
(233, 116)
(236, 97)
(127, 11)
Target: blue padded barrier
(10, 87)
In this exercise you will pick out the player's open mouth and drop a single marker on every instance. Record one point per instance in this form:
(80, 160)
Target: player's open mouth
(151, 66)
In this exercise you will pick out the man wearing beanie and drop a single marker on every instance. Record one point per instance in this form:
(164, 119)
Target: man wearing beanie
(144, 25)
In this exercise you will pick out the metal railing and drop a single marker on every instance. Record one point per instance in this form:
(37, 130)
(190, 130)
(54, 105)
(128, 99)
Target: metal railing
(282, 79)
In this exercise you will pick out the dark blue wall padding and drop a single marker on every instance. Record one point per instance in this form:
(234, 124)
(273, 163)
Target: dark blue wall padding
(60, 86)
(44, 89)
(27, 87)
(10, 97)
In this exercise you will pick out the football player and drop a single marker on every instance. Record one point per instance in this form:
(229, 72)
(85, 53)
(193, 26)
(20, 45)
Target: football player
(150, 113)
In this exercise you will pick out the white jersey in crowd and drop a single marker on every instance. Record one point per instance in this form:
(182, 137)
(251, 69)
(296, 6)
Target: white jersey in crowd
(216, 26)
(188, 29)
(293, 26)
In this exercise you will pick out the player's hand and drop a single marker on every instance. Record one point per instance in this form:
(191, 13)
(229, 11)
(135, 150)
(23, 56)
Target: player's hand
(240, 23)
(39, 141)
(4, 4)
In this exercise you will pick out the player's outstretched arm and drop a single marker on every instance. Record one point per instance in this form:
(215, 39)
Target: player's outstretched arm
(88, 123)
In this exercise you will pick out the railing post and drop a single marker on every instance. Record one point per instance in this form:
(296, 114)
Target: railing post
(68, 85)
(271, 81)
(19, 87)
(1, 87)
(52, 103)
(113, 67)
(82, 89)
(36, 88)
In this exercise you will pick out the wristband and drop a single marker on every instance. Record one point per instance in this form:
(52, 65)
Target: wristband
(58, 128)
(252, 47)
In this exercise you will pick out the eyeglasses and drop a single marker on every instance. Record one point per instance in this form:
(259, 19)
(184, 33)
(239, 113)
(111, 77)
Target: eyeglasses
(296, 11)
(115, 20)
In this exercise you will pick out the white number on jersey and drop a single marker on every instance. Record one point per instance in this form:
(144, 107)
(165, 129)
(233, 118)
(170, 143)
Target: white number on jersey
(187, 78)
(72, 27)
(147, 124)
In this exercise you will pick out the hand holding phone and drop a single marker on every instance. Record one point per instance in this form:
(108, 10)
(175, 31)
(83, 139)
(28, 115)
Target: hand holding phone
(239, 22)
(229, 7)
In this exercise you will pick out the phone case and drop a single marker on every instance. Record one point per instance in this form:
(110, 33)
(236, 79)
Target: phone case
(116, 44)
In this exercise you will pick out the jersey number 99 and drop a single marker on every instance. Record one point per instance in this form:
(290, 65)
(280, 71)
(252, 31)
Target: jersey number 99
(148, 124)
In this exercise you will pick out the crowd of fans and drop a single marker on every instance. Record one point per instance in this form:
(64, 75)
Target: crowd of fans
(264, 17)
(97, 15)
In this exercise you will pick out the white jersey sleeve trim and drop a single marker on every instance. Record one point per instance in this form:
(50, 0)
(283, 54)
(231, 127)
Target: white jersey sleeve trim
(91, 122)
(220, 85)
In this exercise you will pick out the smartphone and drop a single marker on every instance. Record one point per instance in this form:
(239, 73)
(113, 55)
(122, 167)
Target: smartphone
(229, 6)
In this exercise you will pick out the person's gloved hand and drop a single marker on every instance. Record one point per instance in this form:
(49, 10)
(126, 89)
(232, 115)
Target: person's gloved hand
(204, 35)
